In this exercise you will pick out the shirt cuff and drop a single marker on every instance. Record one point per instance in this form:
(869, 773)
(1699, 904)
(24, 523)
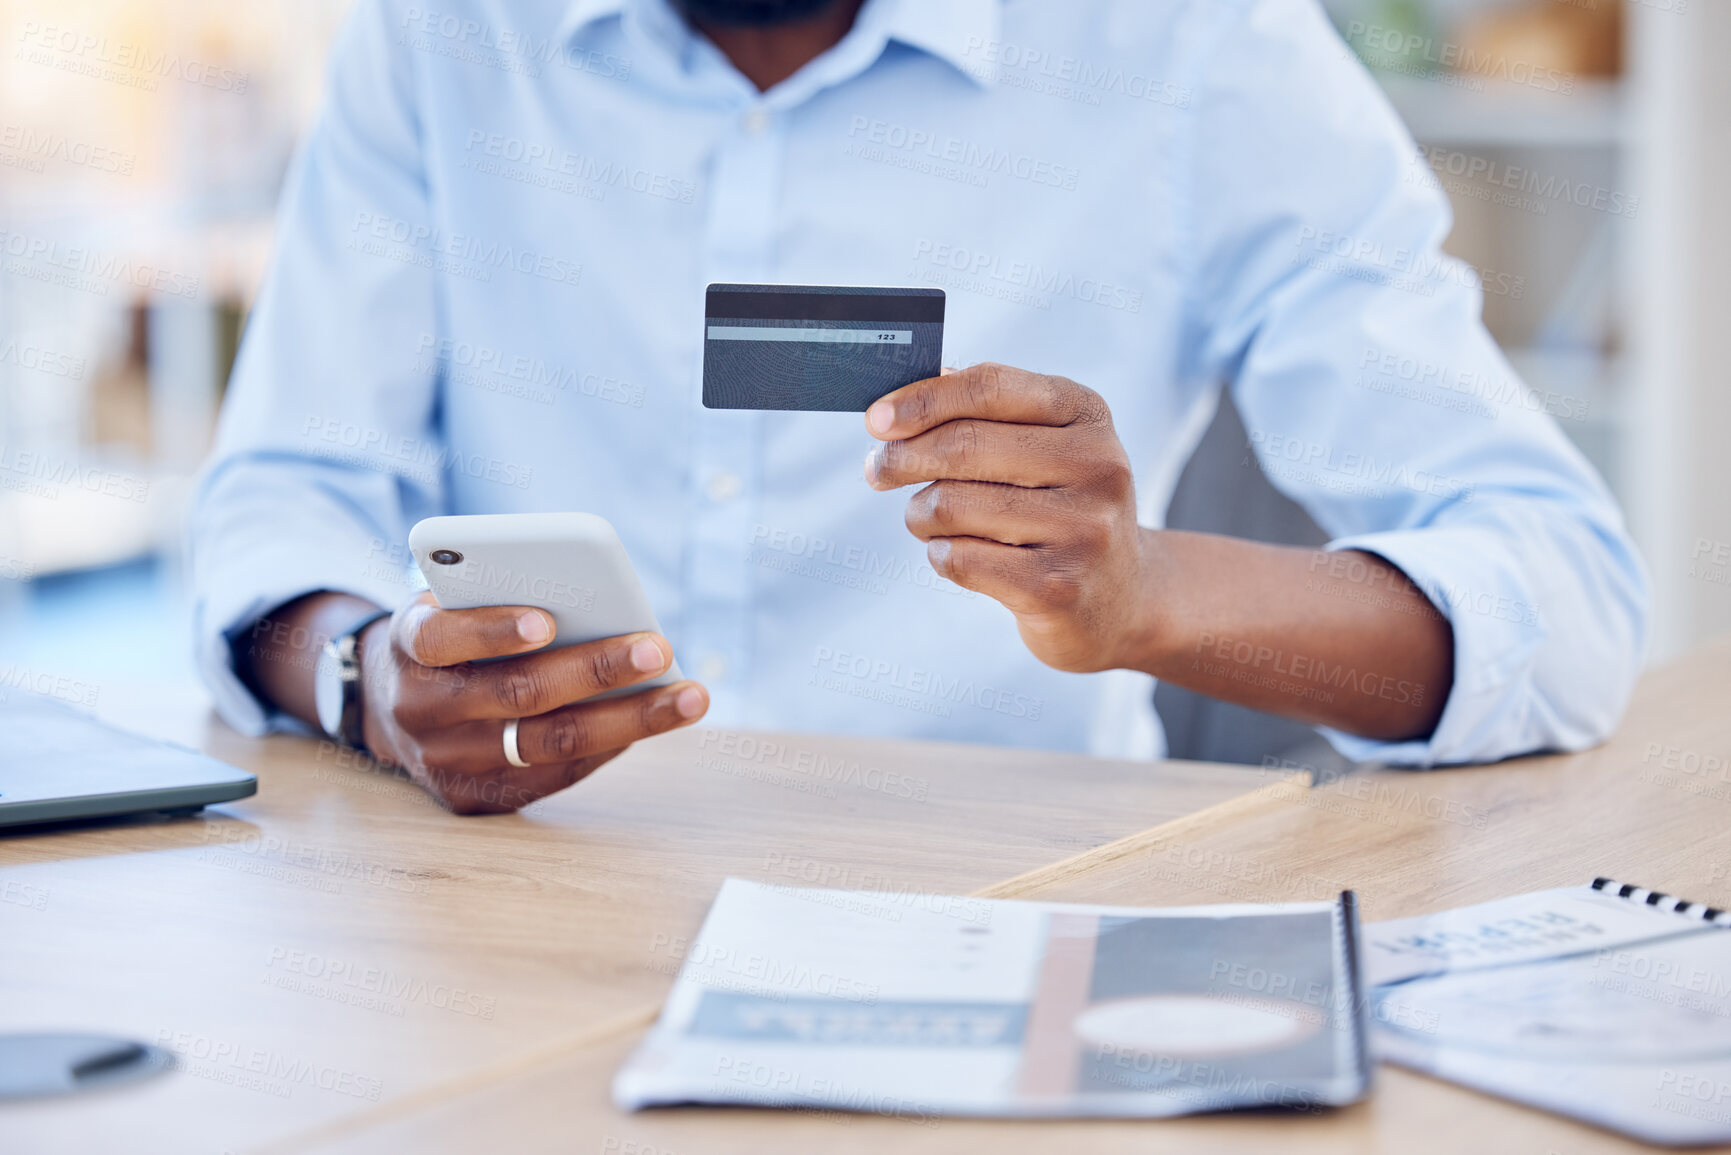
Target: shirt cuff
(224, 615)
(1471, 578)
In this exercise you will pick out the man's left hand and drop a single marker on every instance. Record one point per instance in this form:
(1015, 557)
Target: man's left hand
(1028, 499)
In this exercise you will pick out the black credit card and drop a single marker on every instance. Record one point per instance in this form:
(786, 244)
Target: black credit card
(833, 348)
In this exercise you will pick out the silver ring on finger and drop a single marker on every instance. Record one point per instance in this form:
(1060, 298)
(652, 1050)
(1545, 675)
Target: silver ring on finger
(511, 754)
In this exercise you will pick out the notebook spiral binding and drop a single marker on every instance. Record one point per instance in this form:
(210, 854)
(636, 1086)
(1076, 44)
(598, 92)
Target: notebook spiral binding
(1663, 901)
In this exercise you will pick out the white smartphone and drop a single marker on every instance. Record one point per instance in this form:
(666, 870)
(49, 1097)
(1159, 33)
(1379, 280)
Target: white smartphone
(572, 565)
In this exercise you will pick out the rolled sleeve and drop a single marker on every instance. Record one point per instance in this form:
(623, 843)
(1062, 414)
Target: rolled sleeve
(1374, 397)
(1526, 678)
(328, 448)
(320, 541)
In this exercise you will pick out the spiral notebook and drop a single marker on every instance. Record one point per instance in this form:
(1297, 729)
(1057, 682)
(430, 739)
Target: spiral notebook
(1609, 1002)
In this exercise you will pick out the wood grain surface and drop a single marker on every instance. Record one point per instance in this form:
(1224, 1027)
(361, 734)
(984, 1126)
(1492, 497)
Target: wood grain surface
(338, 945)
(1409, 843)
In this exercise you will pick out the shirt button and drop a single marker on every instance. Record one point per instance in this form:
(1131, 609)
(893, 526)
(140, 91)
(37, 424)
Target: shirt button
(712, 669)
(755, 121)
(723, 486)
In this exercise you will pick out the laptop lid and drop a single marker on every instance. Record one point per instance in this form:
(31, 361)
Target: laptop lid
(58, 763)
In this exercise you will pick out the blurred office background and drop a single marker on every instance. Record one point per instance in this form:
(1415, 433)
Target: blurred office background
(1585, 144)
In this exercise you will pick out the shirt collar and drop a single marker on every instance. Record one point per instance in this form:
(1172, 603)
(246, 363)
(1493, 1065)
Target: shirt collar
(954, 31)
(582, 13)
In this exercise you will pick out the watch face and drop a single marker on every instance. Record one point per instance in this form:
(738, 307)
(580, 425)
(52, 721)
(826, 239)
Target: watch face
(328, 691)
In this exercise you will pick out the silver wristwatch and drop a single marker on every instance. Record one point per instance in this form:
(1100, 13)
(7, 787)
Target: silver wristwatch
(337, 684)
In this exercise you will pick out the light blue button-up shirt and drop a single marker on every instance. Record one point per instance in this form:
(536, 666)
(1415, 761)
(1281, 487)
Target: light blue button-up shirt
(487, 296)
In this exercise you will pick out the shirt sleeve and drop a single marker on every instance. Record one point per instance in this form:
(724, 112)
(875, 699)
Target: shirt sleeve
(1374, 396)
(327, 448)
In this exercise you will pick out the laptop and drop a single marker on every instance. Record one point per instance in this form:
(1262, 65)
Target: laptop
(59, 764)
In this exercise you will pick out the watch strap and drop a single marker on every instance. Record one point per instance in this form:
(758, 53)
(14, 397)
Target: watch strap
(345, 648)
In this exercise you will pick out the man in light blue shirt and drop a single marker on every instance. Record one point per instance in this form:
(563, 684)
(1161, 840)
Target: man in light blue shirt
(487, 296)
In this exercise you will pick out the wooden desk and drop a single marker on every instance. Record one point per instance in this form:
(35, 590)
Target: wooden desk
(1409, 843)
(339, 944)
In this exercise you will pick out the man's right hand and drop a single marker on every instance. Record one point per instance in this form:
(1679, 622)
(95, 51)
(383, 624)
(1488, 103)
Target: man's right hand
(432, 706)
(435, 709)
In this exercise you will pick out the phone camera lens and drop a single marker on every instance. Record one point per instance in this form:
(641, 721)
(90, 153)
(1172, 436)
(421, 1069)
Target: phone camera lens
(446, 556)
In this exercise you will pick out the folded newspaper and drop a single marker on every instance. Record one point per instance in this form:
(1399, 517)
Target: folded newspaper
(865, 1001)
